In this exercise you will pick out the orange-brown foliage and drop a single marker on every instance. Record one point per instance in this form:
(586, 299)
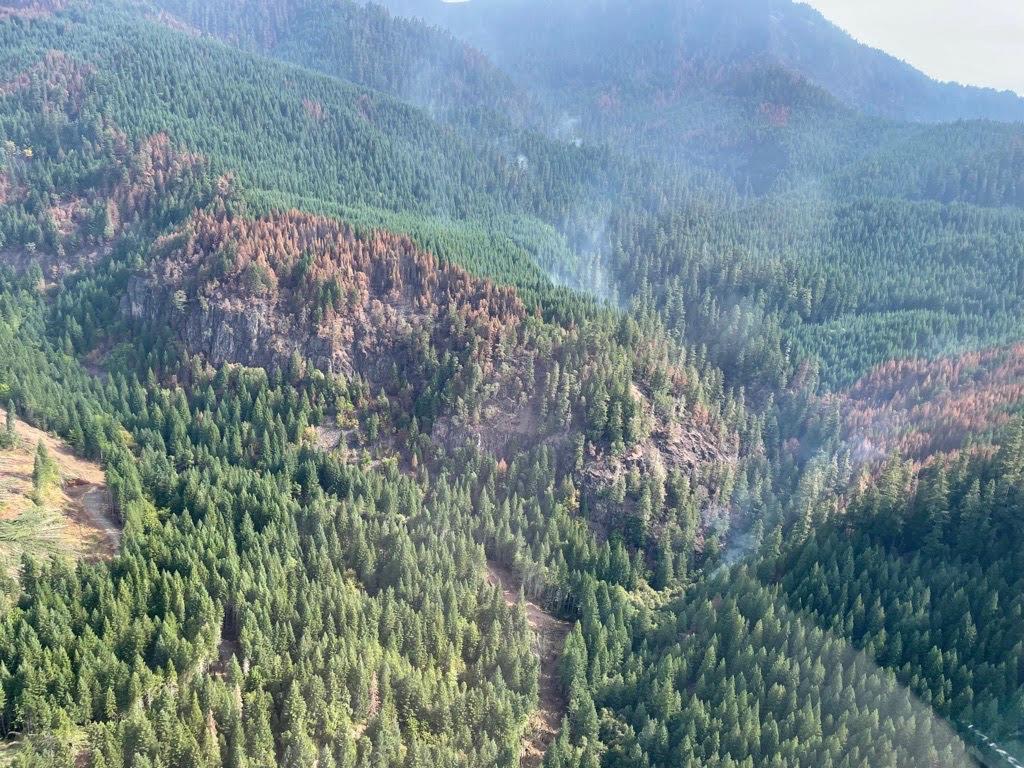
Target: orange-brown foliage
(314, 109)
(155, 167)
(301, 273)
(60, 78)
(777, 115)
(173, 22)
(147, 173)
(922, 407)
(29, 9)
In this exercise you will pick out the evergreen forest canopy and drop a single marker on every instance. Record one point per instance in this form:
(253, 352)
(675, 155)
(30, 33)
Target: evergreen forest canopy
(619, 387)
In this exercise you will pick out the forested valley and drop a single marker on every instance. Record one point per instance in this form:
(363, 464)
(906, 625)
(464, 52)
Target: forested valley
(377, 399)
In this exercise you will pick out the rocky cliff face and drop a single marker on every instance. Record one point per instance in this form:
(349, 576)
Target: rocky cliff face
(257, 292)
(457, 352)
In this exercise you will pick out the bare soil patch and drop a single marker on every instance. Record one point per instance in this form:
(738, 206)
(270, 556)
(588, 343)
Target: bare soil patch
(74, 517)
(549, 640)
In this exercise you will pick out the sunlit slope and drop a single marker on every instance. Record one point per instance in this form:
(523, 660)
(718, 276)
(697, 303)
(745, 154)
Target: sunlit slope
(283, 137)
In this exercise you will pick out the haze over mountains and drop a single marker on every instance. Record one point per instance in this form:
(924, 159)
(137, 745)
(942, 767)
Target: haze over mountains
(654, 47)
(769, 94)
(586, 385)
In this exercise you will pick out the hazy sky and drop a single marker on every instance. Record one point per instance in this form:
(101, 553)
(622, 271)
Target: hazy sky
(976, 42)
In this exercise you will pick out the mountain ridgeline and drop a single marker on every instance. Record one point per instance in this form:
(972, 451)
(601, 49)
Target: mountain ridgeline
(764, 91)
(657, 45)
(578, 385)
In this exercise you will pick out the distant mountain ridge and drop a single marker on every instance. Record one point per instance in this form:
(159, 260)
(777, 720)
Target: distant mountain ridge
(663, 38)
(753, 90)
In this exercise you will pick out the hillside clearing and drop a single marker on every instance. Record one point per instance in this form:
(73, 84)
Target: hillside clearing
(72, 516)
(549, 639)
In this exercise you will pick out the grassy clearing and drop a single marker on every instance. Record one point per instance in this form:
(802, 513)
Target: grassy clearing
(52, 503)
(9, 752)
(70, 745)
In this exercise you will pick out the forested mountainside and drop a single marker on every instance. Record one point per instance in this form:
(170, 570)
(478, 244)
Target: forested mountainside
(425, 425)
(270, 124)
(653, 47)
(430, 70)
(766, 92)
(423, 66)
(284, 136)
(521, 201)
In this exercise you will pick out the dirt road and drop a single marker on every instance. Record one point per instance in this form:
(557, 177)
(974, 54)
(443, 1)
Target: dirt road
(92, 506)
(549, 639)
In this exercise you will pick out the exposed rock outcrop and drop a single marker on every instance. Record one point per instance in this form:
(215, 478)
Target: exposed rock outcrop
(257, 291)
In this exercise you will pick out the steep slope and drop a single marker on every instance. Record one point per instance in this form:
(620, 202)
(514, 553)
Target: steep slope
(455, 358)
(753, 120)
(749, 119)
(283, 136)
(423, 66)
(923, 408)
(331, 436)
(257, 292)
(658, 45)
(765, 91)
(745, 96)
(152, 625)
(286, 131)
